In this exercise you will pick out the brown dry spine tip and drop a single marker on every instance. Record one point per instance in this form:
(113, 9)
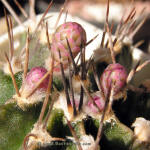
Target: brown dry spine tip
(47, 36)
(26, 57)
(107, 12)
(12, 39)
(131, 28)
(138, 27)
(109, 34)
(111, 28)
(90, 41)
(143, 65)
(42, 18)
(128, 25)
(21, 9)
(130, 16)
(123, 24)
(60, 13)
(12, 11)
(117, 32)
(32, 9)
(111, 46)
(136, 69)
(132, 72)
(10, 34)
(12, 76)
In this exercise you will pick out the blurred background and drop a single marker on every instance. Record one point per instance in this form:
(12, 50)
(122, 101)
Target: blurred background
(93, 11)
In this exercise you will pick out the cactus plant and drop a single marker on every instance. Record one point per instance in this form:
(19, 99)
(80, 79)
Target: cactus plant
(73, 115)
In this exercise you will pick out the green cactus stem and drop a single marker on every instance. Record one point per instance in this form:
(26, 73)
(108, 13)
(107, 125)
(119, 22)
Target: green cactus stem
(6, 86)
(15, 124)
(116, 135)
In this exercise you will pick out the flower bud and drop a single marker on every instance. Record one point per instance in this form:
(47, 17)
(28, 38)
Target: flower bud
(113, 74)
(34, 76)
(76, 36)
(27, 98)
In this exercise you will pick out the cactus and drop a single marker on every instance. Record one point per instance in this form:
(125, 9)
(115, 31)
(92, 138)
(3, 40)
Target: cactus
(60, 107)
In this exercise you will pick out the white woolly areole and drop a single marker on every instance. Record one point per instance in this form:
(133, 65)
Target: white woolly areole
(42, 135)
(61, 103)
(35, 98)
(142, 129)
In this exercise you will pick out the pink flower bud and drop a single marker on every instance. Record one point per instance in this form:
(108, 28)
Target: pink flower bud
(34, 76)
(76, 36)
(99, 102)
(116, 74)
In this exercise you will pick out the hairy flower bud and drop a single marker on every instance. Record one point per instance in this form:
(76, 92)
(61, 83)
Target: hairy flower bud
(94, 107)
(76, 36)
(113, 74)
(35, 75)
(99, 102)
